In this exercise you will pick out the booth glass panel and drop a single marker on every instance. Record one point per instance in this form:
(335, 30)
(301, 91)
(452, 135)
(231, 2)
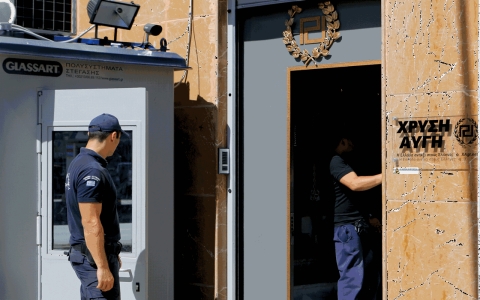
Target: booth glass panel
(66, 145)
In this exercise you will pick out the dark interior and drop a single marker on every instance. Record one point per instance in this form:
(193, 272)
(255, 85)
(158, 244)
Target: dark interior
(323, 100)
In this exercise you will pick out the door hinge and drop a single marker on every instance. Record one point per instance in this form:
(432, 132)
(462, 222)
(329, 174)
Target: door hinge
(292, 223)
(39, 230)
(39, 138)
(292, 229)
(39, 113)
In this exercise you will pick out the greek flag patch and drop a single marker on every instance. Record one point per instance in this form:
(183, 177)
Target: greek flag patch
(91, 183)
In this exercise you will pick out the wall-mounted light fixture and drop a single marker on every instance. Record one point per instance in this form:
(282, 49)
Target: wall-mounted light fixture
(112, 14)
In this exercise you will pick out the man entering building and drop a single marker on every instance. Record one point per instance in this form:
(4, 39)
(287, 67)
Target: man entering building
(352, 251)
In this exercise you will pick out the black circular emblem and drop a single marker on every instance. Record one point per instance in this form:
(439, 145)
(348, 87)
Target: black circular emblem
(466, 131)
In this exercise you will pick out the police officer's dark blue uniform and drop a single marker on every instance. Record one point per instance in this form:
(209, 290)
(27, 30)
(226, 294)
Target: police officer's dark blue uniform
(88, 181)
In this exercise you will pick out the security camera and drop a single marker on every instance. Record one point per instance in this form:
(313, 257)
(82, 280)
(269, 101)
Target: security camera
(152, 29)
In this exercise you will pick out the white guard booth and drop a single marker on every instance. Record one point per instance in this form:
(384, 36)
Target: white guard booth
(49, 93)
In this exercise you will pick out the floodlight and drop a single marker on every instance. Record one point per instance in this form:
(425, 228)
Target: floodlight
(112, 13)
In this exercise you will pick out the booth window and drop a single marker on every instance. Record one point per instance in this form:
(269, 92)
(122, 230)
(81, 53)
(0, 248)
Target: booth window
(66, 145)
(46, 15)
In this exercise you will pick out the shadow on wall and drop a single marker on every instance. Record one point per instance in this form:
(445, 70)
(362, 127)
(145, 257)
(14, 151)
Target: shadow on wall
(195, 195)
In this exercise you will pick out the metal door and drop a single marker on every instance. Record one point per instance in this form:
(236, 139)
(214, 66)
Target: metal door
(64, 116)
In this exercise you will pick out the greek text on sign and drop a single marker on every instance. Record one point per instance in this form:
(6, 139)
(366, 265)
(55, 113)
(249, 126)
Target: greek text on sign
(435, 143)
(429, 130)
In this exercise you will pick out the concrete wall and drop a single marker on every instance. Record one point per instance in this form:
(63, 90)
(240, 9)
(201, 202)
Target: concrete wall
(431, 72)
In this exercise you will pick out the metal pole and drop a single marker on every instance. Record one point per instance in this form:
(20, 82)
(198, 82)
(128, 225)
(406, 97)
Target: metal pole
(231, 140)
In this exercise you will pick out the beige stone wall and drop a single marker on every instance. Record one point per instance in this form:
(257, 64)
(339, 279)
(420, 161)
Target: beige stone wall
(430, 72)
(200, 128)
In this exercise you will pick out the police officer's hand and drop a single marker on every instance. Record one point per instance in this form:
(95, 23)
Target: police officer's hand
(105, 279)
(119, 262)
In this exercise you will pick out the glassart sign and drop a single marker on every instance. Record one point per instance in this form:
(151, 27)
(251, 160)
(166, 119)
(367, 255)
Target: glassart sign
(435, 143)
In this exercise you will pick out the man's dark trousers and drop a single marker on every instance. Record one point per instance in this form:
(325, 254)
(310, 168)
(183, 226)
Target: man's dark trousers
(349, 254)
(88, 277)
(358, 277)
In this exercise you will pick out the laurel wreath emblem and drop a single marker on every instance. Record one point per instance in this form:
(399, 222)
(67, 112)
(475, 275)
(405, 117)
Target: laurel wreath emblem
(333, 24)
(457, 135)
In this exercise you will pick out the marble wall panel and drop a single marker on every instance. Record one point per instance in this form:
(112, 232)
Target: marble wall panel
(431, 250)
(195, 150)
(203, 58)
(455, 154)
(178, 9)
(152, 11)
(83, 21)
(454, 158)
(429, 45)
(431, 72)
(435, 104)
(194, 246)
(455, 186)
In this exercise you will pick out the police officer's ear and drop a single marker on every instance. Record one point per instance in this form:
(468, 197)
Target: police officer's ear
(115, 135)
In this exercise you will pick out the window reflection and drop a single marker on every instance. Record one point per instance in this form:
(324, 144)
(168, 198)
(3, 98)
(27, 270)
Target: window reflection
(66, 145)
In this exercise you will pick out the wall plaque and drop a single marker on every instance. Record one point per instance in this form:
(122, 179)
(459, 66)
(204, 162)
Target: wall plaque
(435, 143)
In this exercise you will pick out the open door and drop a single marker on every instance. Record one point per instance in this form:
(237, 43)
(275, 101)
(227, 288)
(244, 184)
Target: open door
(64, 116)
(351, 97)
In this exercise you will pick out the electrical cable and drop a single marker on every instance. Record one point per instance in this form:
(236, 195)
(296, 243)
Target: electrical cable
(25, 30)
(78, 36)
(20, 28)
(189, 29)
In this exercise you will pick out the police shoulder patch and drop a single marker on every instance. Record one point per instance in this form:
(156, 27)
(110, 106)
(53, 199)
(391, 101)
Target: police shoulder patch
(91, 177)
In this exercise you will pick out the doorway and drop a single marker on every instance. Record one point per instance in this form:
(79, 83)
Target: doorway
(322, 99)
(63, 134)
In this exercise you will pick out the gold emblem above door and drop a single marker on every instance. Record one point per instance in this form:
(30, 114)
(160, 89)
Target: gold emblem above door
(328, 24)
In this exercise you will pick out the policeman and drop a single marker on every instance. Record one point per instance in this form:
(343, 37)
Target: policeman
(92, 212)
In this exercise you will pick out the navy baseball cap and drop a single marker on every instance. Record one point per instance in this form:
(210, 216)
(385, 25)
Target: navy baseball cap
(106, 123)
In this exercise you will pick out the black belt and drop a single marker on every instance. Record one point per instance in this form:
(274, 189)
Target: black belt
(110, 248)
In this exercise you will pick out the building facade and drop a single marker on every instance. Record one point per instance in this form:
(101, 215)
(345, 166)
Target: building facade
(270, 80)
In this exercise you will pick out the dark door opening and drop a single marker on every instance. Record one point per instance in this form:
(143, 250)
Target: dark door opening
(321, 100)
